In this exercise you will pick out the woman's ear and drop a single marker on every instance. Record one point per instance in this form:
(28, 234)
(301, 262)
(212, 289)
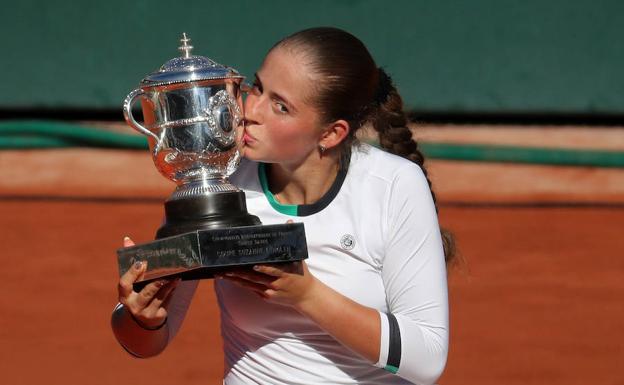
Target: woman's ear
(334, 134)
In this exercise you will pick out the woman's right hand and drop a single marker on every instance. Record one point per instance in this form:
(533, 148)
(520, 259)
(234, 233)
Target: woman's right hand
(147, 307)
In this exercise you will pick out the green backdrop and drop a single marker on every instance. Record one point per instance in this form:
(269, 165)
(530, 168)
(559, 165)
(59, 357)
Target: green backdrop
(502, 56)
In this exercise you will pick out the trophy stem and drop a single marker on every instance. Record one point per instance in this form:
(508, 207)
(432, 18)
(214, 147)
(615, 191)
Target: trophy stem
(202, 187)
(216, 210)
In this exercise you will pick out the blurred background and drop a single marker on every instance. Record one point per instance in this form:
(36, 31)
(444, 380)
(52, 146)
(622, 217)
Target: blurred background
(519, 107)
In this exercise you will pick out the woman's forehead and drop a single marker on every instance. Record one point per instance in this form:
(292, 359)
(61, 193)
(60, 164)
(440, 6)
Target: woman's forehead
(287, 73)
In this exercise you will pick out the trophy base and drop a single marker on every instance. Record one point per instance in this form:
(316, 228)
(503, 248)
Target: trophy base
(210, 234)
(218, 210)
(203, 253)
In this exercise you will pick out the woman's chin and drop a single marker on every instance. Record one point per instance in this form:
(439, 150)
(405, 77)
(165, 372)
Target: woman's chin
(242, 150)
(250, 154)
(255, 157)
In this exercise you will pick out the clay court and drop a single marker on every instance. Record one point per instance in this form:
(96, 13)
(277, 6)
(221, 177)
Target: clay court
(539, 300)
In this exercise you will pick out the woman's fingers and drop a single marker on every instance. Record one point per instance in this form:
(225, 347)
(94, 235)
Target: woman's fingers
(145, 306)
(281, 269)
(127, 242)
(251, 276)
(132, 275)
(141, 307)
(269, 270)
(129, 277)
(161, 297)
(147, 294)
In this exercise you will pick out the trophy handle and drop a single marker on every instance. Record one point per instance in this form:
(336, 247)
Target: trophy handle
(127, 111)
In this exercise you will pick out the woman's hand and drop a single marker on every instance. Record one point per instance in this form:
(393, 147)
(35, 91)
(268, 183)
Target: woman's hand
(289, 284)
(147, 307)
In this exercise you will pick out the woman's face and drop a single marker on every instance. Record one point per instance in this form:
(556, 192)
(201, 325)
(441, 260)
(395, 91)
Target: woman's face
(281, 125)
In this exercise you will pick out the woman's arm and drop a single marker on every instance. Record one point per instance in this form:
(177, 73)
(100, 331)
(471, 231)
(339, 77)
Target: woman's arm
(416, 327)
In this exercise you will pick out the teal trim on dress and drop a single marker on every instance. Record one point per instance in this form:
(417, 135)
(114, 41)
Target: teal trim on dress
(282, 208)
(391, 369)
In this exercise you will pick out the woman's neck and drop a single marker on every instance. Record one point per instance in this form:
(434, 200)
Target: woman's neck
(303, 183)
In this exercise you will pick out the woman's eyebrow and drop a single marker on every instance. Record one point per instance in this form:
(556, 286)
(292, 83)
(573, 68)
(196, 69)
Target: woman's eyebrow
(275, 95)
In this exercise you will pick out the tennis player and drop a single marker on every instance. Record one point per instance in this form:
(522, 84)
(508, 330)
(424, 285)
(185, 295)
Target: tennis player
(370, 304)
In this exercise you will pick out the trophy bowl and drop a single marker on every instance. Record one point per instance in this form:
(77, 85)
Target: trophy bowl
(191, 109)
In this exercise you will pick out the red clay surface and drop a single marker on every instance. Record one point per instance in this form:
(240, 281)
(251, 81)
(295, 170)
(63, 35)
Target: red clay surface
(539, 303)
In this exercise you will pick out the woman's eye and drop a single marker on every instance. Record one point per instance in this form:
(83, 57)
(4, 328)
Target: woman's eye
(281, 108)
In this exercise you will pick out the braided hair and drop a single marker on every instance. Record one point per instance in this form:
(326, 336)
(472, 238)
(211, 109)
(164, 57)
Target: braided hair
(350, 86)
(390, 122)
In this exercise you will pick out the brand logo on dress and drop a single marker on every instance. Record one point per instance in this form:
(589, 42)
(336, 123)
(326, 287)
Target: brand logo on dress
(347, 242)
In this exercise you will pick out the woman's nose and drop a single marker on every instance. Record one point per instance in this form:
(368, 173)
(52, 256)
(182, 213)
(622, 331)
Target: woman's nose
(251, 108)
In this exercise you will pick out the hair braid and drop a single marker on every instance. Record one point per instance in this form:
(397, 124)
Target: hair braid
(390, 122)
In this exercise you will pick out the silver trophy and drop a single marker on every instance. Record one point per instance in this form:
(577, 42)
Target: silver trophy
(192, 107)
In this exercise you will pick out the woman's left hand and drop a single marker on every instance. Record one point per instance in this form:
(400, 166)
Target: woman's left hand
(289, 284)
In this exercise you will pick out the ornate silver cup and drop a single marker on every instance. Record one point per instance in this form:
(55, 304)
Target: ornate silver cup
(192, 107)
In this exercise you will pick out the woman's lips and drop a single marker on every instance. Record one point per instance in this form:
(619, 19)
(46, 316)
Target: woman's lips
(248, 138)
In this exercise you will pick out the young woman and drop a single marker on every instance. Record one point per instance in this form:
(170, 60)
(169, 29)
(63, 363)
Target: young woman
(369, 306)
